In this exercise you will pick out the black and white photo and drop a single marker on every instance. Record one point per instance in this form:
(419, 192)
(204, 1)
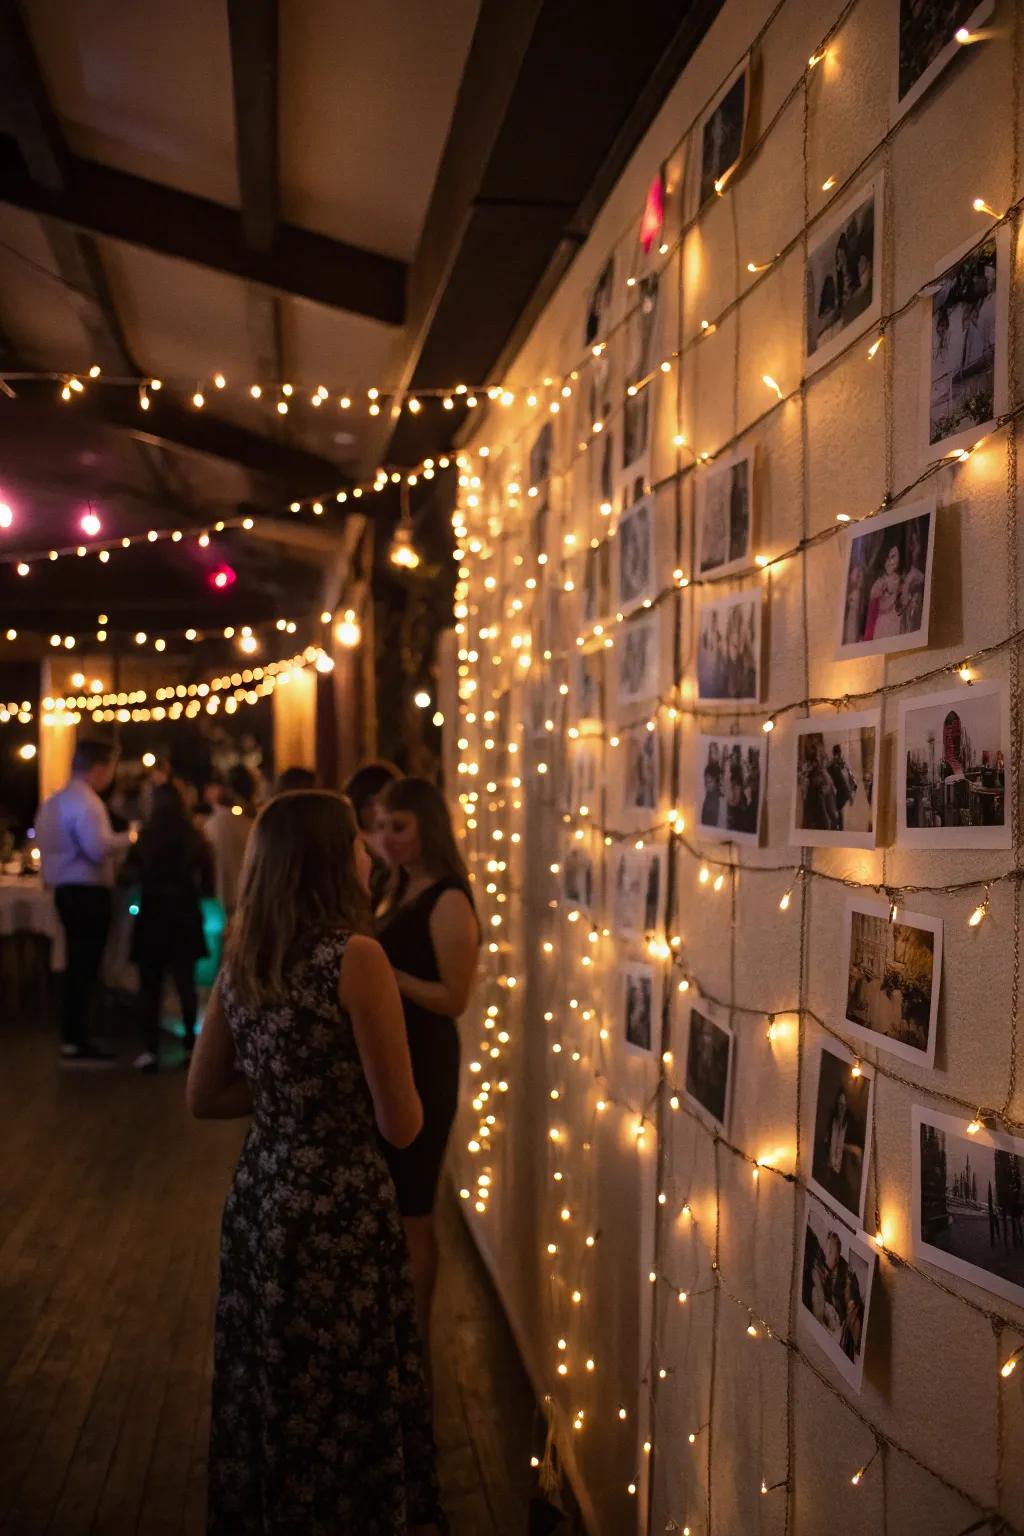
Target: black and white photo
(722, 135)
(634, 541)
(584, 774)
(642, 1026)
(968, 1202)
(954, 769)
(638, 647)
(836, 1278)
(596, 592)
(594, 395)
(927, 42)
(636, 896)
(964, 342)
(589, 669)
(709, 1051)
(842, 1131)
(835, 780)
(641, 363)
(578, 878)
(891, 977)
(641, 788)
(887, 596)
(844, 279)
(724, 512)
(729, 649)
(730, 787)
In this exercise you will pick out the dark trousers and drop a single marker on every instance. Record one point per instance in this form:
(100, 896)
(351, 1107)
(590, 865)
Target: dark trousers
(152, 972)
(85, 913)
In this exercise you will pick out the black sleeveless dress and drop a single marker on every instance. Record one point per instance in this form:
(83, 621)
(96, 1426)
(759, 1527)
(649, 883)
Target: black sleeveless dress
(404, 935)
(321, 1423)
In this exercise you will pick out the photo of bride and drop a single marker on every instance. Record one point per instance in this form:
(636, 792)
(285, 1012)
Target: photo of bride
(887, 594)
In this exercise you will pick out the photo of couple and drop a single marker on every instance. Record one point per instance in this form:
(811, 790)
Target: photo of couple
(838, 1269)
(843, 280)
(888, 583)
(836, 781)
(892, 982)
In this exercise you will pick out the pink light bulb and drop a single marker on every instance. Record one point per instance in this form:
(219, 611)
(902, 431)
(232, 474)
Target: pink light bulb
(90, 524)
(6, 515)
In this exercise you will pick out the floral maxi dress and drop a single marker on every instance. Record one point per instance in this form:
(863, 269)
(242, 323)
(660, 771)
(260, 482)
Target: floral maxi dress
(320, 1422)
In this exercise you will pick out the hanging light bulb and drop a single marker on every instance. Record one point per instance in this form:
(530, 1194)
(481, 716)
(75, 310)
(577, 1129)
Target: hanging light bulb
(348, 631)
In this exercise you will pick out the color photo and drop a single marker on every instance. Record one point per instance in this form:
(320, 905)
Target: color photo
(844, 277)
(954, 776)
(835, 1293)
(969, 1202)
(842, 1129)
(835, 785)
(709, 1064)
(888, 582)
(724, 496)
(893, 974)
(730, 786)
(729, 649)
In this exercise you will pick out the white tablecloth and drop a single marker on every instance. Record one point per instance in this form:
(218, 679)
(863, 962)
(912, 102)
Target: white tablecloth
(26, 906)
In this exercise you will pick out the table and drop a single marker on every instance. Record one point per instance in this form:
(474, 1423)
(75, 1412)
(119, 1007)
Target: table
(31, 937)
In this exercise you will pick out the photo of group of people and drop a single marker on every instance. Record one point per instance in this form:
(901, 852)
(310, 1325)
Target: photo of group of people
(642, 1027)
(965, 378)
(729, 649)
(836, 781)
(709, 1053)
(835, 1294)
(955, 770)
(968, 1202)
(843, 276)
(730, 786)
(888, 582)
(636, 892)
(724, 513)
(892, 979)
(635, 544)
(842, 1125)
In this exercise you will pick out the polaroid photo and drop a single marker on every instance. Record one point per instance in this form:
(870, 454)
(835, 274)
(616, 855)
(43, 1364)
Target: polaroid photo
(842, 1131)
(892, 976)
(641, 1010)
(844, 276)
(722, 135)
(729, 649)
(888, 587)
(954, 769)
(638, 892)
(964, 345)
(731, 787)
(634, 544)
(588, 669)
(584, 774)
(724, 512)
(835, 1291)
(641, 364)
(709, 1062)
(926, 42)
(596, 587)
(835, 781)
(578, 879)
(638, 649)
(968, 1202)
(641, 781)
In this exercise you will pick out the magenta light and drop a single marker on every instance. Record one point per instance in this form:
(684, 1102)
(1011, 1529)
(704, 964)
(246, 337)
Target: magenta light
(222, 577)
(6, 515)
(90, 524)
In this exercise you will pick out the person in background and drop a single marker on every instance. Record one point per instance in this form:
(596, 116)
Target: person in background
(175, 868)
(365, 789)
(228, 827)
(428, 928)
(321, 1420)
(294, 778)
(211, 794)
(77, 847)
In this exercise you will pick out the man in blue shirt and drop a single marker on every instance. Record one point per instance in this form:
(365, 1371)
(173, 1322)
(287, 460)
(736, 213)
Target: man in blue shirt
(77, 846)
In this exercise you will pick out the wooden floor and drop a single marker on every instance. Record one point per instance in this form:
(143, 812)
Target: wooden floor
(110, 1202)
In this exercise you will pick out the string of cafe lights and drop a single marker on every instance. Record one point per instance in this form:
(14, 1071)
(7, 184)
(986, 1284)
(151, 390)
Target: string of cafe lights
(858, 1476)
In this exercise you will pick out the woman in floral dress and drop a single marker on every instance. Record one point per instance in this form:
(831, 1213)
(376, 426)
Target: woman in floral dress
(321, 1423)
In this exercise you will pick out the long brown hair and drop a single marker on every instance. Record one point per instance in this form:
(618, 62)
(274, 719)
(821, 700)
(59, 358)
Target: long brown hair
(420, 798)
(299, 878)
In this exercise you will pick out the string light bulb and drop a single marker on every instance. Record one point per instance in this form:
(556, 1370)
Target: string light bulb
(770, 383)
(980, 912)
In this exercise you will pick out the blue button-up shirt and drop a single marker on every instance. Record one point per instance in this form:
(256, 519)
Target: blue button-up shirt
(76, 841)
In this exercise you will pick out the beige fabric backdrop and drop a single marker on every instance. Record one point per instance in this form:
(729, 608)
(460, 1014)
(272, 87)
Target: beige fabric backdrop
(758, 1412)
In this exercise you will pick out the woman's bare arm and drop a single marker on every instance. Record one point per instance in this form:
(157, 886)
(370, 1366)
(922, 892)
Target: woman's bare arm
(367, 991)
(216, 1090)
(456, 939)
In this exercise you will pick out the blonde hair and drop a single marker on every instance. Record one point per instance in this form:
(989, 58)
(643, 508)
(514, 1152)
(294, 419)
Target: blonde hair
(299, 879)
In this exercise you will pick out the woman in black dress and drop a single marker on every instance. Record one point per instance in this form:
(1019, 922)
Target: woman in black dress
(321, 1422)
(175, 868)
(428, 929)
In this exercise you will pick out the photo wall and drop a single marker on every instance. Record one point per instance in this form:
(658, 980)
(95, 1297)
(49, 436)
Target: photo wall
(735, 755)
